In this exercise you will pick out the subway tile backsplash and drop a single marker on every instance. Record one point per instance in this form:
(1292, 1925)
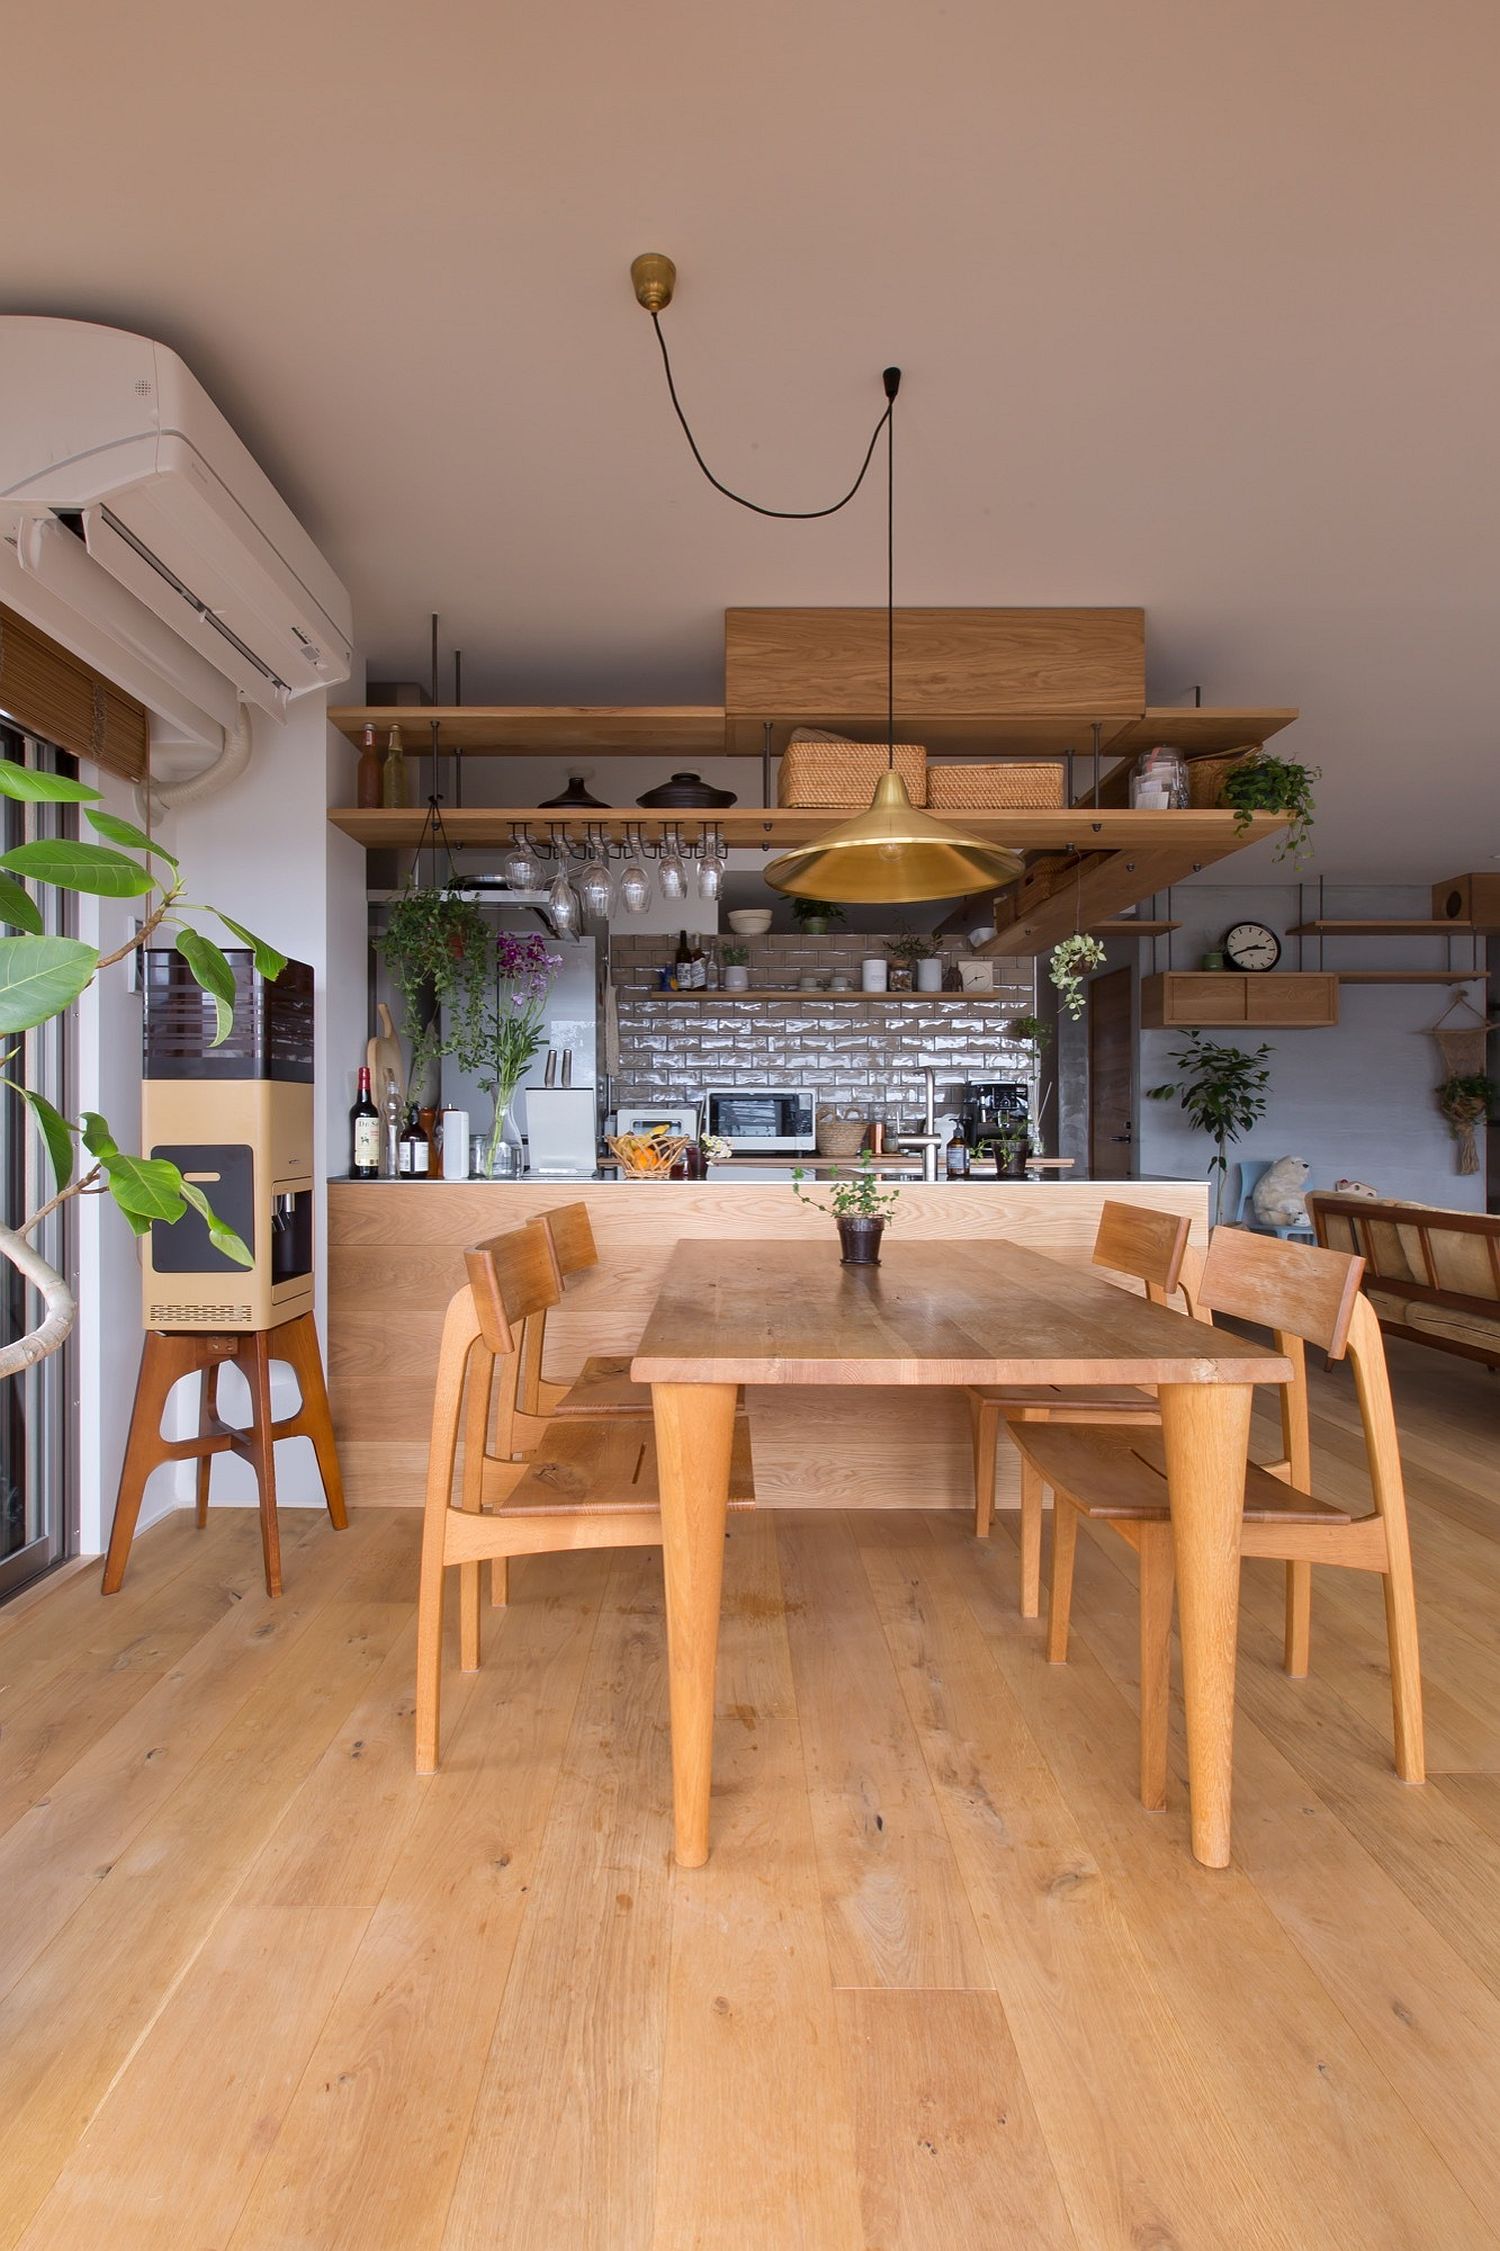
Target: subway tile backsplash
(865, 1054)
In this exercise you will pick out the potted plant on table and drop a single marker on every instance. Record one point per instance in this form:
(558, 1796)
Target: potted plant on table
(861, 1207)
(510, 1032)
(1223, 1091)
(923, 961)
(736, 972)
(1011, 1145)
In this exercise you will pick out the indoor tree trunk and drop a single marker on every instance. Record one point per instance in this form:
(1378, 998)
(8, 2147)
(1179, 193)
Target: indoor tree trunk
(59, 1304)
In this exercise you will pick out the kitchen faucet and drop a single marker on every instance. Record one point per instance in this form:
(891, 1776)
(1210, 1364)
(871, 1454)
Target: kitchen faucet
(929, 1141)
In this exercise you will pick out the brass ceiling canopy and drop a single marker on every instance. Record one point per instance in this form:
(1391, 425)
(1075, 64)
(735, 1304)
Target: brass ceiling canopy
(895, 854)
(654, 278)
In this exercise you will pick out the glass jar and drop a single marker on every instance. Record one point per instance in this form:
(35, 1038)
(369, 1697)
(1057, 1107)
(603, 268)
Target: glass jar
(1159, 782)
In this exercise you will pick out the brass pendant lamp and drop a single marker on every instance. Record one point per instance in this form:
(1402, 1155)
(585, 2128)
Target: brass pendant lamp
(895, 854)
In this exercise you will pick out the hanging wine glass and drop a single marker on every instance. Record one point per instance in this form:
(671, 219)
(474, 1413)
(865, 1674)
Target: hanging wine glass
(596, 886)
(671, 875)
(635, 878)
(562, 903)
(711, 868)
(520, 863)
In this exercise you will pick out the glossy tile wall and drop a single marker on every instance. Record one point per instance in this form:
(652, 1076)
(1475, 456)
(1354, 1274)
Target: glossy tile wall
(863, 1054)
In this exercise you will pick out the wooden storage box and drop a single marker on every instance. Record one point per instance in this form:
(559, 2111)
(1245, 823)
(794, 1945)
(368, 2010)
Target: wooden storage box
(1468, 898)
(1294, 999)
(829, 773)
(831, 664)
(962, 787)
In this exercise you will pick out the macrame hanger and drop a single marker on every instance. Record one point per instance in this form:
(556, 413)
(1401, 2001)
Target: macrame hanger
(1461, 999)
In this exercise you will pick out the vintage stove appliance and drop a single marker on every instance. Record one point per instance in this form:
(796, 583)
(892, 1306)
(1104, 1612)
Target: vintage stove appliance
(238, 1120)
(763, 1121)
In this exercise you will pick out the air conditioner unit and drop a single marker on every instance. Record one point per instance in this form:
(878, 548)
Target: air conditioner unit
(109, 436)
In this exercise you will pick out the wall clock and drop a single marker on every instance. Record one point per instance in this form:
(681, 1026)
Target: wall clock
(1250, 945)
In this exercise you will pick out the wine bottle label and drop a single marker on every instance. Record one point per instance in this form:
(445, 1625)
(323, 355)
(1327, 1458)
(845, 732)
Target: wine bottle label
(403, 1157)
(366, 1141)
(418, 1153)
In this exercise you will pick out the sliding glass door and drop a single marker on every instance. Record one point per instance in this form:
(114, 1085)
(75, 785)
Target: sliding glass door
(36, 1409)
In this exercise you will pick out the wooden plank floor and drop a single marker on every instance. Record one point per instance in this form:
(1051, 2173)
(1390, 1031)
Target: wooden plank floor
(942, 1985)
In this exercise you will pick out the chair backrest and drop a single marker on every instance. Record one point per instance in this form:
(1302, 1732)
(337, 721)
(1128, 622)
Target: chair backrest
(1134, 1239)
(572, 1238)
(513, 1277)
(1290, 1287)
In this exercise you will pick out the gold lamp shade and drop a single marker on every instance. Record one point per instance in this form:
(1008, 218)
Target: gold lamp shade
(894, 854)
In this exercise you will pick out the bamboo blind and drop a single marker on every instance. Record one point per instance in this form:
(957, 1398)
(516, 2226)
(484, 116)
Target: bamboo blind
(49, 693)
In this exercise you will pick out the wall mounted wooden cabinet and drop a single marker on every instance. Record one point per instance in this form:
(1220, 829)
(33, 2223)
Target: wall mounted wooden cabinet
(1468, 899)
(1292, 999)
(828, 667)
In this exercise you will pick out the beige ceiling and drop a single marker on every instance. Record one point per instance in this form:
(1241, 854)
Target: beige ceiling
(1195, 298)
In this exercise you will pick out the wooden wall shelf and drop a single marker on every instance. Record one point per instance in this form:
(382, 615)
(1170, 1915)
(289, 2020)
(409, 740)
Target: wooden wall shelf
(1410, 976)
(1191, 840)
(544, 731)
(816, 1000)
(1294, 1000)
(1132, 926)
(1326, 926)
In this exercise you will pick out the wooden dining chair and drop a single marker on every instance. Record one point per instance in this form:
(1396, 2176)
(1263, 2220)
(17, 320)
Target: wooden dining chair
(1118, 1477)
(590, 1482)
(1131, 1239)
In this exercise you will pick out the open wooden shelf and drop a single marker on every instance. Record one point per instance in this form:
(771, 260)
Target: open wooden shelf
(1409, 976)
(676, 730)
(792, 992)
(1131, 926)
(1192, 839)
(1326, 926)
(703, 731)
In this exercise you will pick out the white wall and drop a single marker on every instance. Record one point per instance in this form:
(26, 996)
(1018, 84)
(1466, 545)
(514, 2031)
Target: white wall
(1354, 1099)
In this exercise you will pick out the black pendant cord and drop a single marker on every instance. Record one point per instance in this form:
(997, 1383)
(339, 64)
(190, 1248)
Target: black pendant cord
(890, 566)
(789, 515)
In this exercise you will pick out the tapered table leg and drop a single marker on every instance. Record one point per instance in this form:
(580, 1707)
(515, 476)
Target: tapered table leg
(694, 1440)
(1205, 1434)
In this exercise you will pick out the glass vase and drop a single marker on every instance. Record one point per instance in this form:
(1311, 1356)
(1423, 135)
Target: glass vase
(499, 1154)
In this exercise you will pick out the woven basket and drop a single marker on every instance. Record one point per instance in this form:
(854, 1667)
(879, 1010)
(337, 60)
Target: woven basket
(1207, 776)
(986, 789)
(827, 773)
(840, 1137)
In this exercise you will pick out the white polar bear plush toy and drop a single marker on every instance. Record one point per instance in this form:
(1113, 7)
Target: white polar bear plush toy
(1276, 1198)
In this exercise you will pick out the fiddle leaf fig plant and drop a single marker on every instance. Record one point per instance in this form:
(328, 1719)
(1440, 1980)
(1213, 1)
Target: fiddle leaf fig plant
(1223, 1091)
(1072, 960)
(42, 976)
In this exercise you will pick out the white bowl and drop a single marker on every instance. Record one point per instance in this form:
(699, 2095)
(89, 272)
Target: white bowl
(750, 922)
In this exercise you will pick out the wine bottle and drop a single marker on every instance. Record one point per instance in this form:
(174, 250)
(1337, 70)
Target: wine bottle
(364, 1130)
(958, 1155)
(367, 783)
(416, 1150)
(393, 789)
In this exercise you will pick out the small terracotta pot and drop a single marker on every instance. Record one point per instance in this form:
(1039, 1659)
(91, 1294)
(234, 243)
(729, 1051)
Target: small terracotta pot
(859, 1241)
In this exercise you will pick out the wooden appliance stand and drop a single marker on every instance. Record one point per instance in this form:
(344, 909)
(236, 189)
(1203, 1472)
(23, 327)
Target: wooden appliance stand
(166, 1357)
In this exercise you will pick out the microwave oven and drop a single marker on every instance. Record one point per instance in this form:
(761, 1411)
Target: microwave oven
(763, 1121)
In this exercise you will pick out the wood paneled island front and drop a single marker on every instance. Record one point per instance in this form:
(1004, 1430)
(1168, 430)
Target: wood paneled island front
(395, 1258)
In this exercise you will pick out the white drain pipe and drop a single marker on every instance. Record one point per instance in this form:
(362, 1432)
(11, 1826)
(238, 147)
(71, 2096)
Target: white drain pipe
(168, 797)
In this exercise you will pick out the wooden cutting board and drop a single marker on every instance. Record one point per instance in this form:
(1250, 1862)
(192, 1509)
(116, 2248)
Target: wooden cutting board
(385, 1056)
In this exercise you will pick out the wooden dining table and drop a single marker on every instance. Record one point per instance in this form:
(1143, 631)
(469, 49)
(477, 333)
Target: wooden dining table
(939, 1313)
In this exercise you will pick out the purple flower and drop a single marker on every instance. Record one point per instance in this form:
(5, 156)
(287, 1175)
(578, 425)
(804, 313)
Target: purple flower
(525, 965)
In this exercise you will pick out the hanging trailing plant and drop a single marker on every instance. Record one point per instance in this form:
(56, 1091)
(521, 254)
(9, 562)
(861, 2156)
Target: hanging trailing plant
(1465, 1099)
(1030, 1031)
(1072, 960)
(1223, 1091)
(439, 954)
(1275, 785)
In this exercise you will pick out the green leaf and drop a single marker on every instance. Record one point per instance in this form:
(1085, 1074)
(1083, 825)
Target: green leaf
(268, 961)
(139, 1224)
(40, 977)
(149, 1187)
(224, 1239)
(214, 974)
(126, 832)
(97, 1138)
(79, 867)
(18, 908)
(56, 1134)
(41, 789)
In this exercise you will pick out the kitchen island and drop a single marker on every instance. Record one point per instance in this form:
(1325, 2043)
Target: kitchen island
(395, 1258)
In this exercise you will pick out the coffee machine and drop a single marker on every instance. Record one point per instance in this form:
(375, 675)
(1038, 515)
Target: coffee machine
(991, 1107)
(237, 1120)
